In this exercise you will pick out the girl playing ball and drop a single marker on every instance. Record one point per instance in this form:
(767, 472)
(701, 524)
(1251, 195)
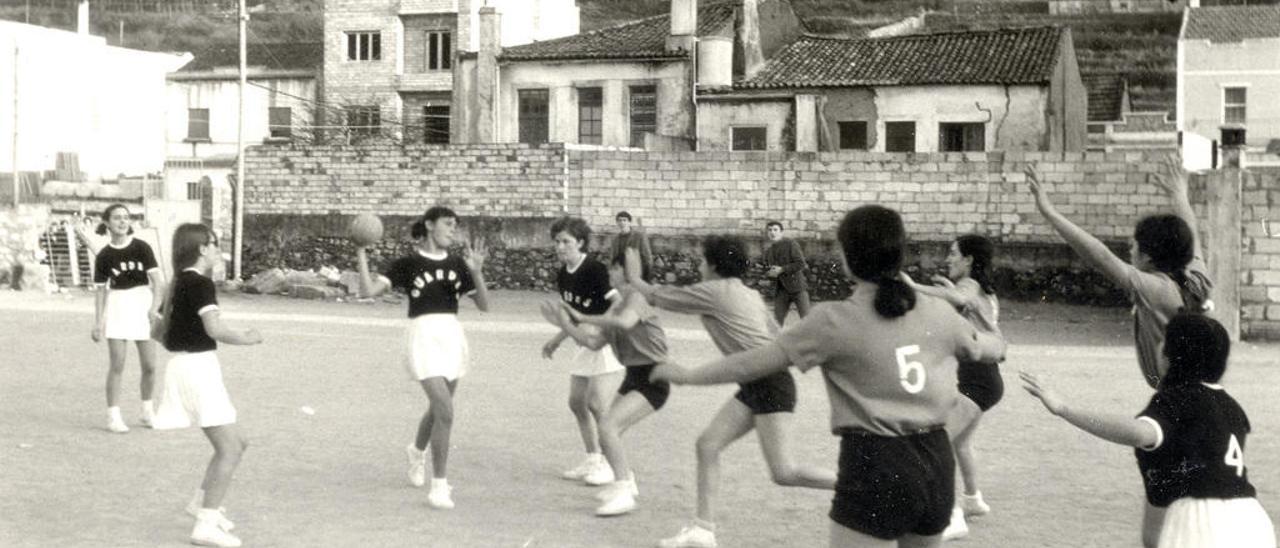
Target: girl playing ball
(631, 328)
(193, 387)
(436, 353)
(1189, 442)
(583, 283)
(889, 361)
(129, 285)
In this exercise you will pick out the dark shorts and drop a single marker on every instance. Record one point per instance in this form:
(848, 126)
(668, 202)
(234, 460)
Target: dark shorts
(637, 380)
(981, 382)
(773, 394)
(891, 486)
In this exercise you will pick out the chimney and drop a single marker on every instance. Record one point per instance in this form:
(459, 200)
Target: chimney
(82, 18)
(684, 25)
(486, 83)
(749, 37)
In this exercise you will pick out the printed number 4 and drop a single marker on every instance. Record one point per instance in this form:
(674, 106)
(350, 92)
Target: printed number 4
(906, 367)
(1235, 456)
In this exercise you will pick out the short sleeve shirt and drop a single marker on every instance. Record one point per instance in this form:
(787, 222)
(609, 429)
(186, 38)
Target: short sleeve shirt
(645, 342)
(586, 287)
(1199, 449)
(124, 267)
(733, 314)
(889, 377)
(433, 284)
(1156, 299)
(193, 295)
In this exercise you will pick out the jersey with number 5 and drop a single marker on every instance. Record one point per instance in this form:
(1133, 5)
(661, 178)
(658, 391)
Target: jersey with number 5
(889, 377)
(1200, 446)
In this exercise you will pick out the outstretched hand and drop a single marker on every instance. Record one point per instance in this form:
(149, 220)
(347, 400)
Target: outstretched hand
(1037, 188)
(943, 281)
(1172, 178)
(474, 255)
(1047, 396)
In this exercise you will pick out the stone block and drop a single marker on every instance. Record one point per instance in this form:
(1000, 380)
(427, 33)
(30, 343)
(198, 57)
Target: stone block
(315, 292)
(267, 282)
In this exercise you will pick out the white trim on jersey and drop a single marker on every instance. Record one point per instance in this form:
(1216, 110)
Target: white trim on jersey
(1159, 434)
(207, 308)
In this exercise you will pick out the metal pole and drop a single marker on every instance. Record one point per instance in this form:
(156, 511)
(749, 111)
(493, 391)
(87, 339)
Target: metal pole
(238, 229)
(16, 186)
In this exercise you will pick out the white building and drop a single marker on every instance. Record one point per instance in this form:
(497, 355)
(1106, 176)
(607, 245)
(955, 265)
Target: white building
(73, 94)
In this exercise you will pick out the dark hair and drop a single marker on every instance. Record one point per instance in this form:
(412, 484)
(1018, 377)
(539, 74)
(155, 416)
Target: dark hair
(622, 215)
(646, 266)
(725, 254)
(980, 250)
(419, 228)
(576, 227)
(1170, 244)
(106, 217)
(874, 241)
(187, 241)
(1197, 347)
(773, 223)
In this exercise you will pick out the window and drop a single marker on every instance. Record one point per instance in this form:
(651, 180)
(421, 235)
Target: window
(590, 116)
(899, 136)
(364, 46)
(853, 135)
(435, 124)
(1100, 128)
(280, 122)
(197, 124)
(364, 120)
(644, 113)
(193, 191)
(1233, 103)
(533, 116)
(439, 50)
(956, 137)
(749, 138)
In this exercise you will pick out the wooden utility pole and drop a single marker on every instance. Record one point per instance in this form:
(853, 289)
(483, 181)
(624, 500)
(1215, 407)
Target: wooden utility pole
(17, 189)
(238, 191)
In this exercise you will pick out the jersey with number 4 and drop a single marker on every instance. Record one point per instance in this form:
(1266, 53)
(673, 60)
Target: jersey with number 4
(1199, 448)
(889, 377)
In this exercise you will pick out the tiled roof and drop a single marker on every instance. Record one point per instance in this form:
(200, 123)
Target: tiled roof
(638, 39)
(1232, 23)
(1006, 56)
(1106, 92)
(283, 56)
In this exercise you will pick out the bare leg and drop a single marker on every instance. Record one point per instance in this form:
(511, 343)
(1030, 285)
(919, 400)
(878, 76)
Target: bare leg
(117, 350)
(579, 404)
(229, 445)
(917, 541)
(1152, 521)
(147, 359)
(964, 452)
(730, 423)
(774, 432)
(625, 412)
(437, 424)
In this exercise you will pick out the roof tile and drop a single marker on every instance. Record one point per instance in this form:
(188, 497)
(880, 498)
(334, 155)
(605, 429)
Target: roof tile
(1232, 23)
(638, 39)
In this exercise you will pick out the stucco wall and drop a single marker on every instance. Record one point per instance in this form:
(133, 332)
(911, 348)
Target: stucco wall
(222, 97)
(349, 83)
(1209, 67)
(1015, 115)
(717, 118)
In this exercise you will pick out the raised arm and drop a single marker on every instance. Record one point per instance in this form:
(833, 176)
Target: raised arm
(622, 315)
(1114, 428)
(735, 368)
(945, 290)
(1092, 250)
(635, 270)
(1173, 181)
(369, 286)
(475, 257)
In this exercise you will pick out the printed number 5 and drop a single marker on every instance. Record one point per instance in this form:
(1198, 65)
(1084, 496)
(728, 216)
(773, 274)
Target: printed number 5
(906, 367)
(1235, 456)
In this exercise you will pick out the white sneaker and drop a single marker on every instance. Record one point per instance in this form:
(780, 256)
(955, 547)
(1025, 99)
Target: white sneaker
(117, 425)
(601, 474)
(608, 491)
(208, 533)
(974, 505)
(193, 509)
(580, 471)
(148, 419)
(693, 536)
(620, 503)
(957, 529)
(417, 466)
(441, 497)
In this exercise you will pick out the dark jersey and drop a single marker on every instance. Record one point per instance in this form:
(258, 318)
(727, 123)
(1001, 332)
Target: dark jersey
(192, 295)
(586, 288)
(124, 267)
(1199, 452)
(432, 284)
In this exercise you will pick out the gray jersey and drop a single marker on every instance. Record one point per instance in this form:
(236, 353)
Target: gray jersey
(733, 314)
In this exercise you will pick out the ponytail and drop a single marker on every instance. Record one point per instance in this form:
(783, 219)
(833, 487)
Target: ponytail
(980, 250)
(419, 228)
(1195, 296)
(894, 298)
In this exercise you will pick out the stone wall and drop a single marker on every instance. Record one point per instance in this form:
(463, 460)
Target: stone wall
(300, 199)
(20, 231)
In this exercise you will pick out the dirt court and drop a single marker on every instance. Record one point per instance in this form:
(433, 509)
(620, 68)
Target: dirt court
(337, 477)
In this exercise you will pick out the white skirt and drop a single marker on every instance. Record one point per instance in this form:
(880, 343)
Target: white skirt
(1216, 523)
(126, 315)
(194, 393)
(589, 363)
(436, 346)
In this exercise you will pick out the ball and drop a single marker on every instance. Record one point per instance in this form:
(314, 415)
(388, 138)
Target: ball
(365, 229)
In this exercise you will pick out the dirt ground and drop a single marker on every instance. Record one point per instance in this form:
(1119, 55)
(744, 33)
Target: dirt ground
(337, 477)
